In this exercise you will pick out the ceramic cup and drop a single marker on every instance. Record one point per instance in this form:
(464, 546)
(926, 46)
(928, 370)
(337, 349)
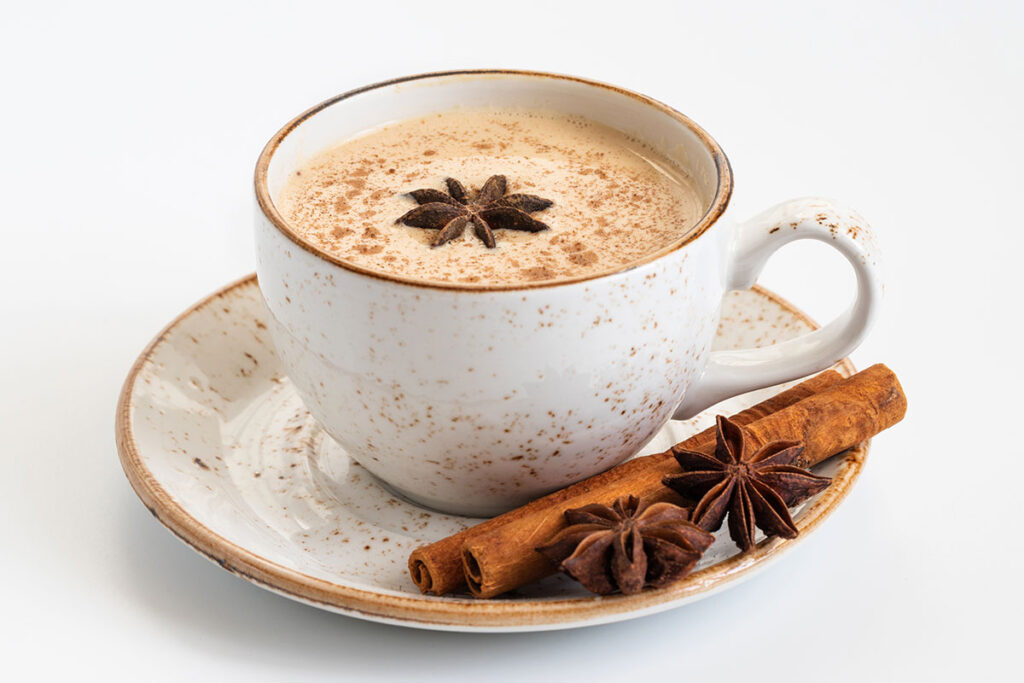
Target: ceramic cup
(473, 399)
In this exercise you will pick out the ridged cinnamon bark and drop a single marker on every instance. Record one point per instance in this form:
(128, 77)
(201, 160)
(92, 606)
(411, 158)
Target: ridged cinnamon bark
(828, 422)
(438, 568)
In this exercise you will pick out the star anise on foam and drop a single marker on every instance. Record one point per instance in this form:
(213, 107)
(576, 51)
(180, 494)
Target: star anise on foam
(488, 210)
(627, 546)
(756, 489)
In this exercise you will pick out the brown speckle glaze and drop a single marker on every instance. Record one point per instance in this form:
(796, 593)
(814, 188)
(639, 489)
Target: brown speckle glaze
(317, 527)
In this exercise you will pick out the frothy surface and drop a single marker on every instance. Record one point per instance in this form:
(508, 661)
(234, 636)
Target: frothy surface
(615, 201)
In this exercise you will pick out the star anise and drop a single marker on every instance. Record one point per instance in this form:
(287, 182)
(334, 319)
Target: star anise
(755, 489)
(488, 210)
(627, 546)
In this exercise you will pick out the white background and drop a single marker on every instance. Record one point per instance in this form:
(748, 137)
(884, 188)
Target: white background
(129, 137)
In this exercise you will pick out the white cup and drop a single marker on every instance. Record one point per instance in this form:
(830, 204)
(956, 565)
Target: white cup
(474, 399)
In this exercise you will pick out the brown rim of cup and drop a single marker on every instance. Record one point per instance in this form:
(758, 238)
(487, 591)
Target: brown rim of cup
(719, 202)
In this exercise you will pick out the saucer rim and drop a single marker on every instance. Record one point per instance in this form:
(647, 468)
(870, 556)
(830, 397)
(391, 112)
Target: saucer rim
(453, 613)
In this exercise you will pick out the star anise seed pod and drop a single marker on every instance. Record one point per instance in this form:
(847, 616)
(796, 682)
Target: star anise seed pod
(755, 489)
(627, 546)
(488, 210)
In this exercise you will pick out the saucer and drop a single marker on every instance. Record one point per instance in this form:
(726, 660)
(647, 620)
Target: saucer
(220, 449)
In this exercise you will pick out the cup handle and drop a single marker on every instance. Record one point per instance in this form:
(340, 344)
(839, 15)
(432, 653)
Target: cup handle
(729, 373)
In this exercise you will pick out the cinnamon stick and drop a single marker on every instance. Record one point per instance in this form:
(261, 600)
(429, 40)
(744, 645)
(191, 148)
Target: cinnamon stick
(828, 422)
(437, 568)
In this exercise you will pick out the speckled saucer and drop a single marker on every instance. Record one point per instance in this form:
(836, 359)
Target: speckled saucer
(221, 450)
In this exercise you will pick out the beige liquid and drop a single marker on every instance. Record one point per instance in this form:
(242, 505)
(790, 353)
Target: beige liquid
(615, 200)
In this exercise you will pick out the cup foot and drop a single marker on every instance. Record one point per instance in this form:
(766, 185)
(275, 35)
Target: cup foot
(462, 509)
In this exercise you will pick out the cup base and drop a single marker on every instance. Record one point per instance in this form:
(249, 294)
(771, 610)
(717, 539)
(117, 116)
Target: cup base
(444, 506)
